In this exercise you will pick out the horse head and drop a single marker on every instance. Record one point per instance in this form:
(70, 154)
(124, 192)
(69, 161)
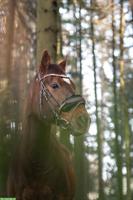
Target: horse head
(55, 100)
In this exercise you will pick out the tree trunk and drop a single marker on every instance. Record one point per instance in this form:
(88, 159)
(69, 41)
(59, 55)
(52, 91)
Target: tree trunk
(9, 37)
(116, 126)
(47, 27)
(124, 106)
(6, 117)
(99, 133)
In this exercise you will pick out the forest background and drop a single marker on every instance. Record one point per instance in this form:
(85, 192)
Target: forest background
(96, 36)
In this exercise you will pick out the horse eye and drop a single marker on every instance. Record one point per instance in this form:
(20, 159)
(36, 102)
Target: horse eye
(55, 86)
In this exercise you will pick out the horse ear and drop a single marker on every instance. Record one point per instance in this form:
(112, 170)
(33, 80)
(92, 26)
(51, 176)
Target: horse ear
(45, 60)
(62, 64)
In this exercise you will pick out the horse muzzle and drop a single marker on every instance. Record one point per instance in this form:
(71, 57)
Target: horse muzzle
(74, 115)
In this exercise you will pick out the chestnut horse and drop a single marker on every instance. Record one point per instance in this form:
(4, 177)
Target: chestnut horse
(42, 167)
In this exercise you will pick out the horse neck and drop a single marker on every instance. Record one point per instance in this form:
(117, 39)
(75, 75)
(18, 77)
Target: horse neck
(36, 137)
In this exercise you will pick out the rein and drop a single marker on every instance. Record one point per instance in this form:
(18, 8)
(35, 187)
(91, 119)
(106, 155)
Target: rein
(70, 103)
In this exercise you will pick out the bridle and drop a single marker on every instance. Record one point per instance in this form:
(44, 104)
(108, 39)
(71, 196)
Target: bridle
(68, 104)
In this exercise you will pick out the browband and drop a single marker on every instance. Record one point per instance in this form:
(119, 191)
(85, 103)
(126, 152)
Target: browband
(57, 75)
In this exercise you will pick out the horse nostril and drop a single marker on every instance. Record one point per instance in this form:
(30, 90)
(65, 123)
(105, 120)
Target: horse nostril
(82, 120)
